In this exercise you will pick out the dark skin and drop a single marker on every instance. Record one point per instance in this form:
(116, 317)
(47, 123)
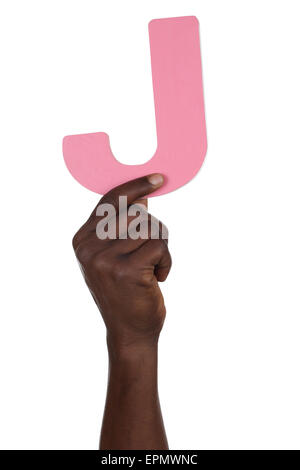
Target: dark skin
(123, 276)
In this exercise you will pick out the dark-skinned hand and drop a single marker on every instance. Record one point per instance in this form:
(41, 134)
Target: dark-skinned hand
(123, 274)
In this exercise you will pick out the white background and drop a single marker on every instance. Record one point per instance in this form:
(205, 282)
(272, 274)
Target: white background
(229, 352)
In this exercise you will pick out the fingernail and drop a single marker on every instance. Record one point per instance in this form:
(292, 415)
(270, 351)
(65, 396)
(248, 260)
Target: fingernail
(156, 179)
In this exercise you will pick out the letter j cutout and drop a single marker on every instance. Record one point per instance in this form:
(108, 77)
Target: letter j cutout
(179, 113)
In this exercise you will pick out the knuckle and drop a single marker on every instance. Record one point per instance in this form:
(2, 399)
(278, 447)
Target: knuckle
(75, 240)
(111, 199)
(163, 249)
(122, 272)
(102, 264)
(82, 252)
(162, 246)
(108, 267)
(145, 278)
(80, 235)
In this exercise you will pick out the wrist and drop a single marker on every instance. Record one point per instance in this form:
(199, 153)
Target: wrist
(120, 351)
(127, 344)
(132, 365)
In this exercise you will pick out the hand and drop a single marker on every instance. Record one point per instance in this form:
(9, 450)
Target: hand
(123, 274)
(122, 271)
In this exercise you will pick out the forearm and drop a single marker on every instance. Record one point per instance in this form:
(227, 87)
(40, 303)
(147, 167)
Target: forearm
(132, 416)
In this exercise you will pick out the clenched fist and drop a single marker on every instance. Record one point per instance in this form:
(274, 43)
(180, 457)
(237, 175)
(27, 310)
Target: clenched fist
(122, 273)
